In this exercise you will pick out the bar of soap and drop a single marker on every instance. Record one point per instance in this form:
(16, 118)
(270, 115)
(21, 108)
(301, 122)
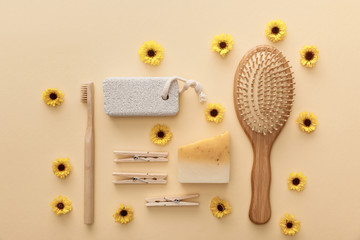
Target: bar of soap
(205, 161)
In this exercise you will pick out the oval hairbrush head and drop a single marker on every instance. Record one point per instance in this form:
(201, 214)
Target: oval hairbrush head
(263, 96)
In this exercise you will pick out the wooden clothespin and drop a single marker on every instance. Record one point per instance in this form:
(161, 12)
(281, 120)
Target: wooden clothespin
(173, 201)
(134, 156)
(140, 178)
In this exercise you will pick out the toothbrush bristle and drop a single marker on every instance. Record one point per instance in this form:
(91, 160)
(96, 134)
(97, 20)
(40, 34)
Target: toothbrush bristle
(83, 91)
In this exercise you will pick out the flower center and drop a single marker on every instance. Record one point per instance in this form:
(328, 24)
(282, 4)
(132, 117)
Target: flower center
(309, 56)
(60, 205)
(289, 225)
(307, 122)
(160, 134)
(220, 207)
(214, 113)
(151, 53)
(61, 167)
(222, 45)
(275, 30)
(53, 96)
(123, 213)
(296, 181)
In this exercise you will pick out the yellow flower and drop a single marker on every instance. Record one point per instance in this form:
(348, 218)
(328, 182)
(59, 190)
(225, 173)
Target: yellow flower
(61, 205)
(160, 134)
(289, 225)
(309, 56)
(61, 167)
(214, 112)
(222, 44)
(123, 214)
(276, 30)
(219, 208)
(151, 52)
(53, 97)
(296, 181)
(307, 122)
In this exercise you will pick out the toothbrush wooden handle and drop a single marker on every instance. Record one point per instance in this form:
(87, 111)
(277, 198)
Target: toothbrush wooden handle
(89, 160)
(260, 210)
(89, 181)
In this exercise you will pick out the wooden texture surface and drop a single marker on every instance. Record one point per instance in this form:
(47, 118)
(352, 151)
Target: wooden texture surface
(89, 180)
(260, 209)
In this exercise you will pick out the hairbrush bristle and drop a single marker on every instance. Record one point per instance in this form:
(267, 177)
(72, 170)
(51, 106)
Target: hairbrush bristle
(264, 90)
(83, 92)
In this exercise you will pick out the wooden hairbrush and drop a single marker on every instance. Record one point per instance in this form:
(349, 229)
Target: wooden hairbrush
(263, 96)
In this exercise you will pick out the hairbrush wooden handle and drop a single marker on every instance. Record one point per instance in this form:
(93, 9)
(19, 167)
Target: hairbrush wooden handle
(89, 159)
(260, 210)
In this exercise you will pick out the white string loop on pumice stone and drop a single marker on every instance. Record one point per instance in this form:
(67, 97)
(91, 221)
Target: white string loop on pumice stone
(188, 83)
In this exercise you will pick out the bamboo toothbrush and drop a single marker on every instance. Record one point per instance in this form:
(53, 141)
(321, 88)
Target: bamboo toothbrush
(263, 96)
(87, 96)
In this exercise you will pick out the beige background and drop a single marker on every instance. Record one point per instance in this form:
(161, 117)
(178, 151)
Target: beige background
(61, 44)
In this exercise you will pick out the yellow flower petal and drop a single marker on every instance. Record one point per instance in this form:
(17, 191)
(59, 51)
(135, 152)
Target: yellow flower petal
(151, 52)
(214, 113)
(160, 134)
(124, 214)
(61, 167)
(275, 30)
(296, 181)
(309, 55)
(222, 44)
(53, 97)
(219, 208)
(307, 122)
(289, 225)
(61, 205)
